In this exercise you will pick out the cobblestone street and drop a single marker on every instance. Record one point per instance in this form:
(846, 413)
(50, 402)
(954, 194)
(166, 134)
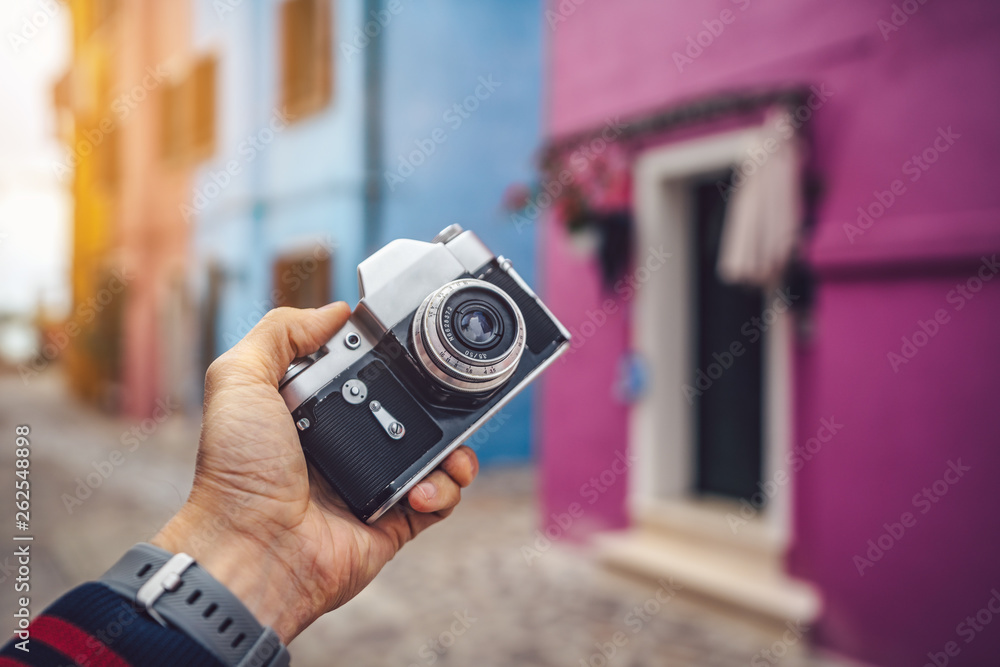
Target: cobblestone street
(463, 594)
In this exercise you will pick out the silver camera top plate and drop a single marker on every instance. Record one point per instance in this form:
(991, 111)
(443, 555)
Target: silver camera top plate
(394, 281)
(392, 284)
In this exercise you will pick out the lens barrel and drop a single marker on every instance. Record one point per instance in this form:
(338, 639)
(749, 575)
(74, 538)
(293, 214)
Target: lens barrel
(469, 336)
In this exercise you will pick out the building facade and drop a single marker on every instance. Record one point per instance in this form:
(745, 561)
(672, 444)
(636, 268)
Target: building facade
(343, 125)
(820, 450)
(278, 209)
(129, 242)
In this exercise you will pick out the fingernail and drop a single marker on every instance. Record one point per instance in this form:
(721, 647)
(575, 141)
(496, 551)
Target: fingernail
(331, 305)
(428, 489)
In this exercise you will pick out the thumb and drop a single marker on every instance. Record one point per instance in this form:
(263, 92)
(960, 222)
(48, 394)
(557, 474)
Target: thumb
(286, 333)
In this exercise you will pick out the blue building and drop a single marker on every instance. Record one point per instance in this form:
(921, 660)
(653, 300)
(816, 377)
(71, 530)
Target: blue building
(341, 125)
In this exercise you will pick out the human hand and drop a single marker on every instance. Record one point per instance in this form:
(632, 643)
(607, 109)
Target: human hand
(277, 536)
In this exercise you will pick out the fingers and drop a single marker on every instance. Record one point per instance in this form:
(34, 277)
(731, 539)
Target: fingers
(436, 493)
(282, 335)
(462, 465)
(442, 489)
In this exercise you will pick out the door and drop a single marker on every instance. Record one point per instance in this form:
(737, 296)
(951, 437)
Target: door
(728, 368)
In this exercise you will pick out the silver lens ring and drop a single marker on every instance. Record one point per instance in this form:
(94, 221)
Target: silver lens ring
(445, 362)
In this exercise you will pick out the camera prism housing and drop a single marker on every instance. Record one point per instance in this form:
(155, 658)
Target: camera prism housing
(444, 335)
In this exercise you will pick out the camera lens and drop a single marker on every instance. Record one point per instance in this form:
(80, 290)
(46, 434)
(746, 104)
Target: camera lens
(469, 335)
(476, 327)
(478, 320)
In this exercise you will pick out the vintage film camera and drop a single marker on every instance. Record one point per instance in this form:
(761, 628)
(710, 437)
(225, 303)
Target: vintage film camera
(444, 335)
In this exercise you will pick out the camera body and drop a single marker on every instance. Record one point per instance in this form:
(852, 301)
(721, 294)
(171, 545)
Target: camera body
(444, 335)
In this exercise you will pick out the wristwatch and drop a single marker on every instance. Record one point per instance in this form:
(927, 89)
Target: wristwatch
(175, 592)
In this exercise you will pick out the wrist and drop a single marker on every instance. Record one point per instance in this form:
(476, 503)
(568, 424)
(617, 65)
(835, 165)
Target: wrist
(244, 564)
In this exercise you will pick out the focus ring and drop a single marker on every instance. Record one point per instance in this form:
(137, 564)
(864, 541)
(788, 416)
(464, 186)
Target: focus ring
(444, 362)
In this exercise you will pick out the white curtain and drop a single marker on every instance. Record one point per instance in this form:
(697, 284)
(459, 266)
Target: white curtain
(765, 207)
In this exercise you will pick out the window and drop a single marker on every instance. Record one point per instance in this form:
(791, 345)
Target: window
(187, 114)
(307, 56)
(302, 280)
(107, 161)
(210, 308)
(103, 134)
(62, 91)
(101, 12)
(202, 91)
(171, 121)
(63, 102)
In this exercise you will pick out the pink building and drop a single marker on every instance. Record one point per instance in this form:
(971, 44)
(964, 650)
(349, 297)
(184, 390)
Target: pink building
(859, 400)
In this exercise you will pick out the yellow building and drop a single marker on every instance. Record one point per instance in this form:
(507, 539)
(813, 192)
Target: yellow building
(137, 109)
(83, 100)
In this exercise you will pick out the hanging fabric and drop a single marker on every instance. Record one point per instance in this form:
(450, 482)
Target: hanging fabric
(765, 207)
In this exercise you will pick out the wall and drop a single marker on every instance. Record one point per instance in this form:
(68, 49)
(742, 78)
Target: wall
(91, 376)
(145, 242)
(308, 184)
(435, 56)
(887, 99)
(301, 190)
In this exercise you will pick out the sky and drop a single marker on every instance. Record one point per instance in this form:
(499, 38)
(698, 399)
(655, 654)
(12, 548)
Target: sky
(35, 203)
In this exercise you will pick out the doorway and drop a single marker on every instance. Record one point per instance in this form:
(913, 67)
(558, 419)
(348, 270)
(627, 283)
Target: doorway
(702, 456)
(697, 460)
(728, 413)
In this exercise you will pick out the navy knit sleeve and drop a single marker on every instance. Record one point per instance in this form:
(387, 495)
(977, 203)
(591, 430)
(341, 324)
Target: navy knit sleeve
(94, 626)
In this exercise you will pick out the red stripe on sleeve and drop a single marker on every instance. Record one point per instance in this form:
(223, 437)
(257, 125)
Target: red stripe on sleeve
(10, 662)
(74, 643)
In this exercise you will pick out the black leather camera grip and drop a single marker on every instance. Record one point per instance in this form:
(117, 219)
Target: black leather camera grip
(348, 446)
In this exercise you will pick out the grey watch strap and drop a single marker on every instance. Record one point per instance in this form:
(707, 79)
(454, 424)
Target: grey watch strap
(176, 592)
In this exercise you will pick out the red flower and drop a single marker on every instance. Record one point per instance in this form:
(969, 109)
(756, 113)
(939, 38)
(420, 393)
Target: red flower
(516, 197)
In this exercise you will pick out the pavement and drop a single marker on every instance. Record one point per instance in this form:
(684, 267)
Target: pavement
(462, 594)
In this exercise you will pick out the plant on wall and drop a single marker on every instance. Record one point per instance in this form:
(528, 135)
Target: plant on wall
(585, 178)
(587, 189)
